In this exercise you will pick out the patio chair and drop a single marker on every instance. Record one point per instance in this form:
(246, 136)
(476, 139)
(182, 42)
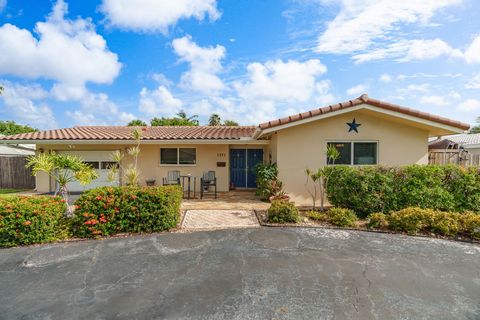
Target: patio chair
(207, 181)
(173, 178)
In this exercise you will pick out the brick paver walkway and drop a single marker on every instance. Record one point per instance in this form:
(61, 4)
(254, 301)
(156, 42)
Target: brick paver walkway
(219, 219)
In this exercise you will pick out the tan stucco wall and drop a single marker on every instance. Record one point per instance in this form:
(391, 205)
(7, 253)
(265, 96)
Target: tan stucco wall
(149, 162)
(303, 146)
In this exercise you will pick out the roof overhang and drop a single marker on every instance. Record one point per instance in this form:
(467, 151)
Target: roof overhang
(144, 142)
(365, 106)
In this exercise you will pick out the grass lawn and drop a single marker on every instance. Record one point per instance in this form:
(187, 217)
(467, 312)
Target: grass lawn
(10, 191)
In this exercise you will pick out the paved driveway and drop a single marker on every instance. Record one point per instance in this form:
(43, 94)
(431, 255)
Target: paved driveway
(259, 273)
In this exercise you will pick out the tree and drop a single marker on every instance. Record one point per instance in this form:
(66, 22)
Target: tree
(11, 127)
(230, 123)
(137, 123)
(214, 120)
(63, 169)
(181, 119)
(1, 90)
(321, 177)
(475, 129)
(131, 174)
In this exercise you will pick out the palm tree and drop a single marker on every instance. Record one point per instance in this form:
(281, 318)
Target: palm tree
(214, 120)
(1, 90)
(182, 115)
(63, 169)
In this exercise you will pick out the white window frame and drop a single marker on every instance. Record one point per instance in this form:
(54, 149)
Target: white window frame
(178, 164)
(352, 156)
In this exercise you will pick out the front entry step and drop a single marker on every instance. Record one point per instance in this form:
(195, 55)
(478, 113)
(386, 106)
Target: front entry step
(219, 219)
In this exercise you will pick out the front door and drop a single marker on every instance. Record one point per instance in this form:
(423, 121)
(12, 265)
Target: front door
(242, 167)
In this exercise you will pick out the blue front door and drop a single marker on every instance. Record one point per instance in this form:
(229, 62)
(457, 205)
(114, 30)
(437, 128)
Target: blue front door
(242, 167)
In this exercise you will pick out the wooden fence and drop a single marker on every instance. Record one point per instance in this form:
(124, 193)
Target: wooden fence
(13, 173)
(454, 157)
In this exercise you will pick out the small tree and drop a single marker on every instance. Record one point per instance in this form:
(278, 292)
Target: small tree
(131, 174)
(1, 90)
(321, 177)
(63, 169)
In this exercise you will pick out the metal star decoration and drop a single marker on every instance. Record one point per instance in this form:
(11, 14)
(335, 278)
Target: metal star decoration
(353, 126)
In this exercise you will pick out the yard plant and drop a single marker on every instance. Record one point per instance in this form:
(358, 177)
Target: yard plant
(110, 210)
(383, 189)
(63, 169)
(26, 220)
(282, 211)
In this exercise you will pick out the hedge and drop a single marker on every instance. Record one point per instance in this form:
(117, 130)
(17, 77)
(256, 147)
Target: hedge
(382, 189)
(28, 220)
(413, 220)
(110, 210)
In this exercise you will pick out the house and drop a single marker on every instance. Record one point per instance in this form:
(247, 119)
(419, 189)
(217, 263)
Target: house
(366, 131)
(469, 142)
(461, 149)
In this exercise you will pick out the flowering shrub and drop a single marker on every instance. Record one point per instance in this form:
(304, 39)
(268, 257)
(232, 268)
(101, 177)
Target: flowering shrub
(377, 220)
(28, 220)
(110, 210)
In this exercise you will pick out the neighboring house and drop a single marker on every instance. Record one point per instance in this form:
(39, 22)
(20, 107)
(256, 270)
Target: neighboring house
(366, 131)
(469, 142)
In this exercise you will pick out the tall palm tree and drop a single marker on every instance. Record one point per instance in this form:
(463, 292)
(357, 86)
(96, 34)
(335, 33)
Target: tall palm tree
(214, 120)
(1, 90)
(182, 115)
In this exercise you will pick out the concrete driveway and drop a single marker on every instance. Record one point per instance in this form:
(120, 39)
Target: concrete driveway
(259, 273)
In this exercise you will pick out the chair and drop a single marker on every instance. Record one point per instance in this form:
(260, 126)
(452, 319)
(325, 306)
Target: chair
(173, 178)
(206, 181)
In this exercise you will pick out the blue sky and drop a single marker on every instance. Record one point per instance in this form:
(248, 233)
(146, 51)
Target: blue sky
(105, 62)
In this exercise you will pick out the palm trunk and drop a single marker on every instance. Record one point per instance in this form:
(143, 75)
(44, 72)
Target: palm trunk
(63, 192)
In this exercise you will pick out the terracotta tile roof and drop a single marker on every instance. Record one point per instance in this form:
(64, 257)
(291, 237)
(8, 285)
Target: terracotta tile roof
(148, 133)
(361, 100)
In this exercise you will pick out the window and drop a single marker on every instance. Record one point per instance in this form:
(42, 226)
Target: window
(107, 165)
(178, 156)
(187, 155)
(168, 156)
(356, 153)
(93, 164)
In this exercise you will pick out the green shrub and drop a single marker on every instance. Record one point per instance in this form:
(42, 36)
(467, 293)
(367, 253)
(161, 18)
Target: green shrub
(315, 215)
(411, 220)
(282, 212)
(383, 189)
(110, 210)
(29, 220)
(446, 223)
(266, 173)
(377, 220)
(469, 223)
(342, 217)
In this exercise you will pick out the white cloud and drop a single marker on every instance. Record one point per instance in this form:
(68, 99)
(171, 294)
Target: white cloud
(409, 50)
(357, 90)
(474, 83)
(3, 4)
(360, 24)
(472, 53)
(385, 78)
(469, 105)
(67, 51)
(205, 64)
(23, 103)
(98, 109)
(434, 100)
(276, 83)
(159, 102)
(156, 15)
(424, 88)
